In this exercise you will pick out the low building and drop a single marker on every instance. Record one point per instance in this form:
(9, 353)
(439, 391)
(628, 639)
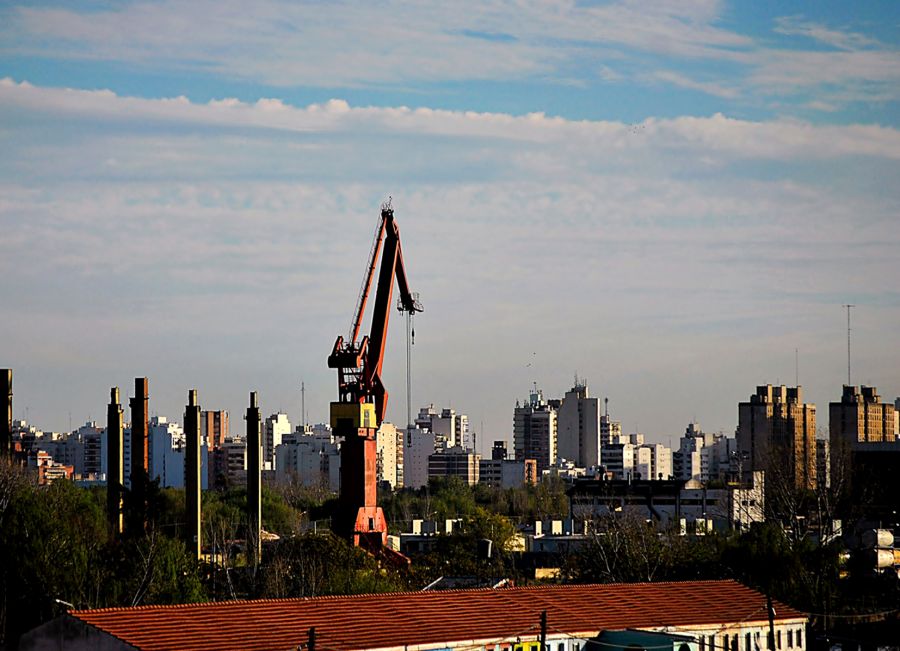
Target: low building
(689, 505)
(455, 462)
(715, 614)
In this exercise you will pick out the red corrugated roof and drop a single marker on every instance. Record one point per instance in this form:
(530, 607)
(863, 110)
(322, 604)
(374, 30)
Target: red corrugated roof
(395, 619)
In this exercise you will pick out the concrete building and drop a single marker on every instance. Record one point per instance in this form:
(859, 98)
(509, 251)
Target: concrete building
(418, 446)
(861, 417)
(214, 428)
(230, 463)
(455, 462)
(274, 429)
(167, 449)
(535, 431)
(777, 433)
(311, 457)
(688, 505)
(450, 428)
(578, 427)
(703, 456)
(502, 472)
(610, 429)
(389, 455)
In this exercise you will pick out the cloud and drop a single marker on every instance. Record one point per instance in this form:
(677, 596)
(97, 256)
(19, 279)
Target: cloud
(795, 26)
(684, 82)
(225, 245)
(738, 139)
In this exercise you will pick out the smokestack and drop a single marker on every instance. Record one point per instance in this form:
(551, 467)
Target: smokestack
(6, 427)
(254, 489)
(140, 467)
(192, 473)
(115, 474)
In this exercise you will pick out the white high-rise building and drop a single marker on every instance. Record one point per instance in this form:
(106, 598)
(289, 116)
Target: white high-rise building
(389, 460)
(418, 445)
(311, 457)
(578, 427)
(167, 454)
(276, 427)
(703, 456)
(450, 428)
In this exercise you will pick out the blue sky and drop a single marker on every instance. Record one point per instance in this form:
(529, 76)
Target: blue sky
(667, 198)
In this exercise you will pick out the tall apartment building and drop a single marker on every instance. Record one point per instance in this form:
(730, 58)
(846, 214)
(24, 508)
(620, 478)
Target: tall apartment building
(861, 417)
(450, 428)
(578, 427)
(702, 456)
(214, 428)
(275, 428)
(389, 455)
(534, 431)
(418, 445)
(777, 433)
(310, 456)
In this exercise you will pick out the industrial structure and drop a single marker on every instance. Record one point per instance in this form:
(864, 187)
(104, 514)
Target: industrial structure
(6, 432)
(136, 520)
(362, 397)
(192, 482)
(115, 471)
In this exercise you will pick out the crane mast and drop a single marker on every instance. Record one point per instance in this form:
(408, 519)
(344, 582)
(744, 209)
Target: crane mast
(362, 397)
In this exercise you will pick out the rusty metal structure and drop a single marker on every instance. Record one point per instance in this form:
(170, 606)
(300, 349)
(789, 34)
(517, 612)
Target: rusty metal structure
(115, 472)
(362, 397)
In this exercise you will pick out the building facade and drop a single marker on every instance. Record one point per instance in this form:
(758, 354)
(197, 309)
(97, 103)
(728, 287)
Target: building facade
(578, 427)
(535, 431)
(777, 434)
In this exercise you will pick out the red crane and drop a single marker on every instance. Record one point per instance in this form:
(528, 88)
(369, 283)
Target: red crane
(362, 398)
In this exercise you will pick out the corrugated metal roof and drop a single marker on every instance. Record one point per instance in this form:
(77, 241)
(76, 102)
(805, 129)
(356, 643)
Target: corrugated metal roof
(416, 618)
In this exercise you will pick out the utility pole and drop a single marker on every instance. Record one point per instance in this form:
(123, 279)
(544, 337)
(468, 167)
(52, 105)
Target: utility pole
(848, 306)
(544, 631)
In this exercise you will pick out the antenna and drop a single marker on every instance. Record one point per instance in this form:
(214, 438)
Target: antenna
(303, 404)
(848, 306)
(796, 367)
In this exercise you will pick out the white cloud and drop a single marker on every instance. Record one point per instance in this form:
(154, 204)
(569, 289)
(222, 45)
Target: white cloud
(685, 82)
(229, 239)
(795, 26)
(716, 134)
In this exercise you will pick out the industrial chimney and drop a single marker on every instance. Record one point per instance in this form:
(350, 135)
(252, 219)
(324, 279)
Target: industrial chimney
(6, 431)
(254, 489)
(140, 467)
(115, 473)
(192, 473)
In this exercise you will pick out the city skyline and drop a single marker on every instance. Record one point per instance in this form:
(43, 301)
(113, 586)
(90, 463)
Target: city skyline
(667, 200)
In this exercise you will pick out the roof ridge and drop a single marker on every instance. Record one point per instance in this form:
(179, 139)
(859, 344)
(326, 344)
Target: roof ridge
(331, 597)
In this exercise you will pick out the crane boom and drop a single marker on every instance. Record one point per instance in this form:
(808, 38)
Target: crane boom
(362, 397)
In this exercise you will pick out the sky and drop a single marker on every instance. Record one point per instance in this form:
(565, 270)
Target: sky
(669, 200)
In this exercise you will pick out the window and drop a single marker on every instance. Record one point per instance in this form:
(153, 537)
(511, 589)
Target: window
(778, 638)
(800, 637)
(702, 643)
(790, 638)
(748, 642)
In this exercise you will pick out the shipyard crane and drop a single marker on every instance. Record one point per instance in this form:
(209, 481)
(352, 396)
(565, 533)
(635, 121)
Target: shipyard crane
(362, 397)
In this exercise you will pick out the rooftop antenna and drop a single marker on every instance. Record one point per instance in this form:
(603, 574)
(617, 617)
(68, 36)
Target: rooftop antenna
(848, 306)
(303, 404)
(796, 367)
(606, 406)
